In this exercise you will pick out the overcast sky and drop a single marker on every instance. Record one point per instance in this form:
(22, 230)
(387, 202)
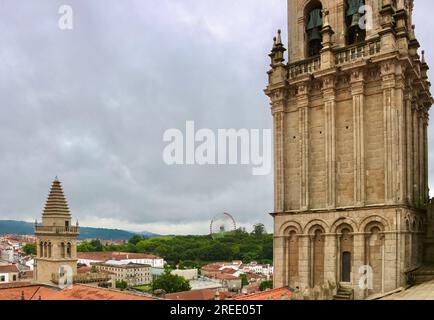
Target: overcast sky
(91, 106)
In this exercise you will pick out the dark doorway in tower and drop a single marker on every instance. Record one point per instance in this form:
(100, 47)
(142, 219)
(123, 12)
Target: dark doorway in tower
(346, 267)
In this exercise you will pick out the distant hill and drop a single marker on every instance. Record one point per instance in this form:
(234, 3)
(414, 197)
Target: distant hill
(26, 228)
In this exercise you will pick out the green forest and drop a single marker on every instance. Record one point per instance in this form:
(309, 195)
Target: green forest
(195, 251)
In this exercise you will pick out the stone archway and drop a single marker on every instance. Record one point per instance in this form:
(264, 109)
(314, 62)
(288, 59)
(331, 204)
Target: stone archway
(346, 253)
(317, 257)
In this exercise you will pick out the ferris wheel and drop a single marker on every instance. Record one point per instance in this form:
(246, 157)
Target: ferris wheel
(222, 224)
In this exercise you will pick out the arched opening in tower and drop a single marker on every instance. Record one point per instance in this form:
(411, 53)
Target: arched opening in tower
(355, 21)
(314, 22)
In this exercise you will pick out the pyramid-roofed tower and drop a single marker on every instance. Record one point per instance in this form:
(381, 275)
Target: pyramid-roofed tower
(56, 203)
(56, 238)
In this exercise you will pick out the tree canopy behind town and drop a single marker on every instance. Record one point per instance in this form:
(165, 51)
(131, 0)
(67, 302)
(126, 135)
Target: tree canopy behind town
(193, 251)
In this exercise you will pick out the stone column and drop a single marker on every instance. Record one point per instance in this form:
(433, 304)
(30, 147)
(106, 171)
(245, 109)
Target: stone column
(303, 107)
(392, 103)
(388, 39)
(327, 56)
(329, 97)
(416, 175)
(391, 276)
(423, 176)
(401, 21)
(303, 261)
(280, 268)
(358, 93)
(331, 254)
(426, 154)
(279, 170)
(358, 262)
(400, 162)
(409, 142)
(340, 23)
(376, 23)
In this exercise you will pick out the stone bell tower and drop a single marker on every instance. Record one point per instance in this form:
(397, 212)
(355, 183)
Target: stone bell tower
(350, 110)
(56, 238)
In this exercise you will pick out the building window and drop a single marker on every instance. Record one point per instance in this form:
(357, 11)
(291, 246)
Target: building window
(68, 250)
(62, 250)
(2, 278)
(314, 21)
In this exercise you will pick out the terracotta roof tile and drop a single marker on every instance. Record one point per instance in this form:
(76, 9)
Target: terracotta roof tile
(205, 294)
(9, 268)
(275, 294)
(225, 276)
(104, 256)
(77, 292)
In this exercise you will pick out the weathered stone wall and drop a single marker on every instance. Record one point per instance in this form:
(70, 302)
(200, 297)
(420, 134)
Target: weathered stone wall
(316, 158)
(344, 159)
(374, 148)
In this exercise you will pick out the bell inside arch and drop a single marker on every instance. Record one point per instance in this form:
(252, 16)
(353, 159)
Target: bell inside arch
(355, 20)
(315, 34)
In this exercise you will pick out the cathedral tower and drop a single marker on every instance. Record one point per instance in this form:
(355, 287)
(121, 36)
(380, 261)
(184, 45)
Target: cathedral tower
(350, 116)
(55, 238)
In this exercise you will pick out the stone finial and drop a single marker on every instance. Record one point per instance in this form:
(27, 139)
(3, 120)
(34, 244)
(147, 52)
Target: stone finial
(423, 56)
(277, 53)
(279, 37)
(325, 15)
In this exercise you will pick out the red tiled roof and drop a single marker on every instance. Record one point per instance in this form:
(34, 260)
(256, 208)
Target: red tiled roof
(254, 276)
(9, 268)
(229, 271)
(225, 276)
(16, 293)
(104, 256)
(205, 294)
(27, 275)
(227, 295)
(84, 270)
(212, 267)
(275, 294)
(14, 285)
(252, 287)
(77, 292)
